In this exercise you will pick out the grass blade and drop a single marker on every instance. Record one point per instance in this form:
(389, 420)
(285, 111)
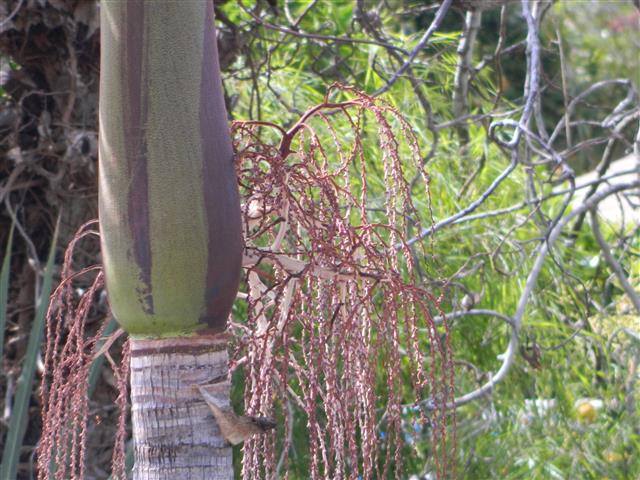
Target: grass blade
(4, 288)
(20, 413)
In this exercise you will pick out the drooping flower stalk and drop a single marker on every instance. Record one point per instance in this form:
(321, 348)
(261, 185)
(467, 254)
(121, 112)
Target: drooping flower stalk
(340, 328)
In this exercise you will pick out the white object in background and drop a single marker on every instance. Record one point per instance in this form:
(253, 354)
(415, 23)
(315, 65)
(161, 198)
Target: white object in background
(624, 206)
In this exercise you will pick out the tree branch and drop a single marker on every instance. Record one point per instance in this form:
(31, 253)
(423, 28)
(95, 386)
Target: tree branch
(508, 357)
(612, 262)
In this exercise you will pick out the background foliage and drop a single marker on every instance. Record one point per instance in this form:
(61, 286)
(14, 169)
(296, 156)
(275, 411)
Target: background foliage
(580, 337)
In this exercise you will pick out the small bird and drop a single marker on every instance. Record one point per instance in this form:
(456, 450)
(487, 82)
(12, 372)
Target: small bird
(235, 428)
(470, 300)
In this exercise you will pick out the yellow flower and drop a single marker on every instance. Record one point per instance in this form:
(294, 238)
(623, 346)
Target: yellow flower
(613, 457)
(586, 412)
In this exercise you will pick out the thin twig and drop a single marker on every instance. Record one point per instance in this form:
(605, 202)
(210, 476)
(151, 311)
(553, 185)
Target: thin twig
(435, 24)
(11, 15)
(317, 36)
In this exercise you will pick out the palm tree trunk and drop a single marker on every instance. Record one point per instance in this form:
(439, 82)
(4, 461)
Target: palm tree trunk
(175, 435)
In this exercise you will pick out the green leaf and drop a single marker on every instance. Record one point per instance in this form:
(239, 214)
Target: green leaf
(4, 287)
(20, 413)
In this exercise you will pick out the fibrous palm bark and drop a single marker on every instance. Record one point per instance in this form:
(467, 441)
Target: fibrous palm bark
(170, 226)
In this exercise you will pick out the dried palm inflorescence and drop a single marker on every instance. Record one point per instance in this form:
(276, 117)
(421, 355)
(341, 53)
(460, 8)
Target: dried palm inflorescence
(69, 352)
(335, 305)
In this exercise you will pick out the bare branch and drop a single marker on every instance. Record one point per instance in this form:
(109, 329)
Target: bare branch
(612, 262)
(531, 93)
(508, 357)
(476, 312)
(473, 18)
